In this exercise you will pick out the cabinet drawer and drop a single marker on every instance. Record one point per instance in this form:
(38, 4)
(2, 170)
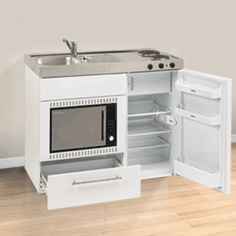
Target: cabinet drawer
(83, 87)
(149, 83)
(109, 182)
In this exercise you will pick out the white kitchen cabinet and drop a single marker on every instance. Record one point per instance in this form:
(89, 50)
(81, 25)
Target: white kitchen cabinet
(83, 176)
(170, 122)
(185, 131)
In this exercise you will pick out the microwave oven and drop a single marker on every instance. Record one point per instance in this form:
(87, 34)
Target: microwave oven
(82, 127)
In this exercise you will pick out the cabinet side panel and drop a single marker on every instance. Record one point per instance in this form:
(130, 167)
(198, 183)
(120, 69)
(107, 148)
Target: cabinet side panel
(226, 136)
(177, 130)
(32, 124)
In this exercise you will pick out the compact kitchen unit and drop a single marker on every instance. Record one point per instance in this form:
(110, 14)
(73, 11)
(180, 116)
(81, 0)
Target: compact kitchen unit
(96, 128)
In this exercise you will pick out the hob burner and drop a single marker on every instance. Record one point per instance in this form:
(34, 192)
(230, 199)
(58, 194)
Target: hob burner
(153, 54)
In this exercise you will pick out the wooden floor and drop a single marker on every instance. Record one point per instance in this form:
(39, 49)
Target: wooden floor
(168, 206)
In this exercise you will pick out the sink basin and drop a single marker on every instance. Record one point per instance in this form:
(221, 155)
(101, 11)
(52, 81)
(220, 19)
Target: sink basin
(63, 60)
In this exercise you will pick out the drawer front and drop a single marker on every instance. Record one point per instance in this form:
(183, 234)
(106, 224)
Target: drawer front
(149, 83)
(88, 187)
(83, 87)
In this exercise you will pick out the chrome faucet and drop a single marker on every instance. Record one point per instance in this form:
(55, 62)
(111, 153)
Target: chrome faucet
(72, 46)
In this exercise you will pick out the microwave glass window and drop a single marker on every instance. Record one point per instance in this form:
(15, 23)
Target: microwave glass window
(77, 128)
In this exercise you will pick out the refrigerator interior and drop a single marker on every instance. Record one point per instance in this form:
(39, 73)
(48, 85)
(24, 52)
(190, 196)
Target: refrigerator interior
(194, 106)
(149, 137)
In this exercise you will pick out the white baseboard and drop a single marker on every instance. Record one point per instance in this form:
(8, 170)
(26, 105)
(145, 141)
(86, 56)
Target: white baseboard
(233, 138)
(10, 162)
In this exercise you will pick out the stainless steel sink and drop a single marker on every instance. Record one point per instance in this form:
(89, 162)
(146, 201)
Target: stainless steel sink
(64, 60)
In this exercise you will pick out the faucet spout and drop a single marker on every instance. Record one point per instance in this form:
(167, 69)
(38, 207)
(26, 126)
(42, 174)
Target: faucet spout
(72, 46)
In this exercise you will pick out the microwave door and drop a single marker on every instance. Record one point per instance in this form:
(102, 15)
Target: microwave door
(77, 128)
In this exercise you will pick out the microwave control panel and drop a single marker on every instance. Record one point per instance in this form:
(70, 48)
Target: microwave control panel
(111, 124)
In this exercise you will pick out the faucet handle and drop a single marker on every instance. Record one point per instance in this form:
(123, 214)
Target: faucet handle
(72, 46)
(67, 43)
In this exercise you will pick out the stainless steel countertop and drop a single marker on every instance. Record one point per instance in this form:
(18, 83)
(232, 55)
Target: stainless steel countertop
(104, 62)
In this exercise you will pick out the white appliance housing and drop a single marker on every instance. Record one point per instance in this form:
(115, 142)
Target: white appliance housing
(170, 122)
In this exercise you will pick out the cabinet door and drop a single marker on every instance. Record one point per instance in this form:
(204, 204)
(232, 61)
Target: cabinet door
(203, 111)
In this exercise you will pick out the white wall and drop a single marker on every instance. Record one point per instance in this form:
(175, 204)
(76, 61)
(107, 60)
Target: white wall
(203, 32)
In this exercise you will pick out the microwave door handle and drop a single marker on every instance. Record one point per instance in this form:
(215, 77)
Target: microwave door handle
(102, 125)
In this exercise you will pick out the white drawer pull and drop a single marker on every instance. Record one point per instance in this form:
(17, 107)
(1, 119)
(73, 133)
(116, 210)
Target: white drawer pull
(96, 180)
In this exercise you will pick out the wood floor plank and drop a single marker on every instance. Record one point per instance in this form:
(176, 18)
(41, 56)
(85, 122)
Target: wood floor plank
(169, 206)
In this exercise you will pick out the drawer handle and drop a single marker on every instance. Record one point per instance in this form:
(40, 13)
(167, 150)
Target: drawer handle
(96, 181)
